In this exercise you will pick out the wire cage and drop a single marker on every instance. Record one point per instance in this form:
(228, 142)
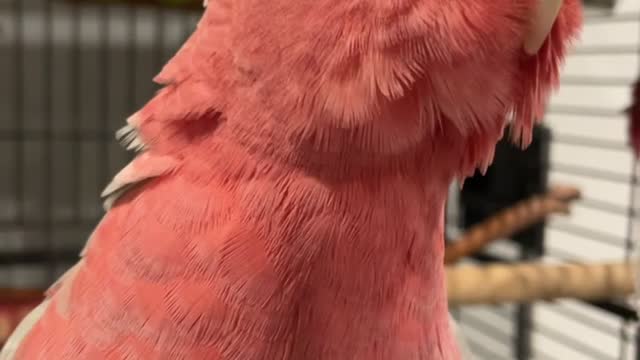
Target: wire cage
(73, 71)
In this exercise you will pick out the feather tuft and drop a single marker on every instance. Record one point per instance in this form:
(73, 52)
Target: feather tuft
(539, 74)
(129, 138)
(144, 167)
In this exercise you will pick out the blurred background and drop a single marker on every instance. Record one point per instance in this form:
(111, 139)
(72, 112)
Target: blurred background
(72, 71)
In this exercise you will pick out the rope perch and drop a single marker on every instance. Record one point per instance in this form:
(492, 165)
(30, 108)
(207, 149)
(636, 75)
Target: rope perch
(528, 282)
(511, 220)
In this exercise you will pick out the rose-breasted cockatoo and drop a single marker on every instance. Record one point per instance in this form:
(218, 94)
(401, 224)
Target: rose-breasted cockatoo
(287, 201)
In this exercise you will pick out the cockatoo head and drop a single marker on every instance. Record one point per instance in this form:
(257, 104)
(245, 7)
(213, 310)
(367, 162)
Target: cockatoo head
(401, 72)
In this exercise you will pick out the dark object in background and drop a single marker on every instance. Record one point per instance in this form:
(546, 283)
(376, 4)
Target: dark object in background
(633, 112)
(514, 176)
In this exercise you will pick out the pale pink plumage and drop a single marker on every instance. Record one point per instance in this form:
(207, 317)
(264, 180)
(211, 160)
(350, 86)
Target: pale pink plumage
(296, 166)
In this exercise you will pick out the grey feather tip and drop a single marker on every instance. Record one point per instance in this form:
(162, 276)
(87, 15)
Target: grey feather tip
(129, 138)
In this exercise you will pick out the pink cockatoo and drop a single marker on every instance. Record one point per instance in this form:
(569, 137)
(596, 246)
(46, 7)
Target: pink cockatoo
(287, 201)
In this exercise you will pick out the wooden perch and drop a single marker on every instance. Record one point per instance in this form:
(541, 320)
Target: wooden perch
(511, 220)
(499, 283)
